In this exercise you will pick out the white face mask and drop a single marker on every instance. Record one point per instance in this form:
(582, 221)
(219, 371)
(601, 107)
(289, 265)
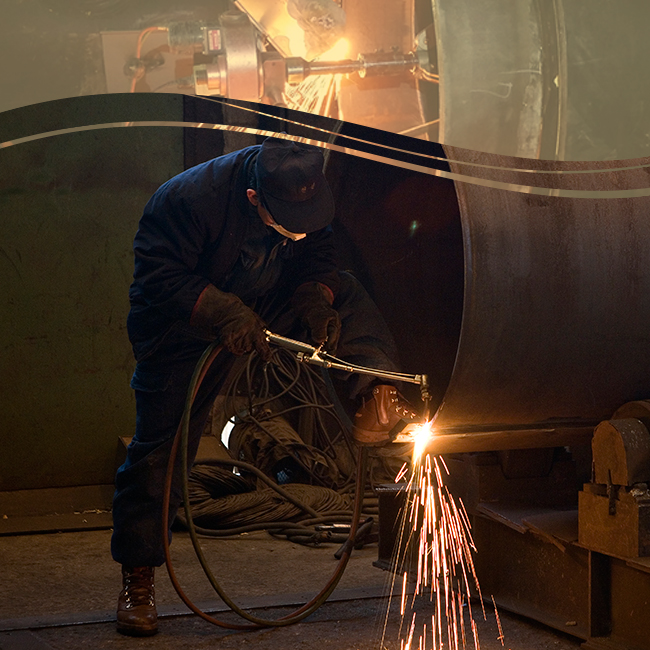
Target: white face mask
(285, 233)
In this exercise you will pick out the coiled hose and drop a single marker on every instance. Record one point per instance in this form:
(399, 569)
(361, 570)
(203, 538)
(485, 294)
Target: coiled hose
(181, 440)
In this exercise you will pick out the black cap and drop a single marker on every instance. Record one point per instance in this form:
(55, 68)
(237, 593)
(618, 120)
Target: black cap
(293, 187)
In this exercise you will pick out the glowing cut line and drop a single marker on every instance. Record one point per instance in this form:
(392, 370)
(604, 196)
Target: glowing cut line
(524, 189)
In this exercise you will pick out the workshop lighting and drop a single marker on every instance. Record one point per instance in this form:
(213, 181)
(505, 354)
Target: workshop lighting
(340, 50)
(296, 38)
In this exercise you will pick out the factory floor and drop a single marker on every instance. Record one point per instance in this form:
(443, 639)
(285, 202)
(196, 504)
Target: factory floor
(58, 591)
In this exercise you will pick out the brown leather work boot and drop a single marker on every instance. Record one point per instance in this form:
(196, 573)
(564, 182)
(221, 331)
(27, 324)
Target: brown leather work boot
(382, 417)
(136, 606)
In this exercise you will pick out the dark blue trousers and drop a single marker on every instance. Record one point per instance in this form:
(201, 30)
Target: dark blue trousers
(160, 382)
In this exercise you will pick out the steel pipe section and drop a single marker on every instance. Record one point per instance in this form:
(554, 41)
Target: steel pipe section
(546, 79)
(496, 67)
(556, 305)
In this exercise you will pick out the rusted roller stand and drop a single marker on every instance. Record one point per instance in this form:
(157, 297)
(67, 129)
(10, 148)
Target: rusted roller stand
(614, 509)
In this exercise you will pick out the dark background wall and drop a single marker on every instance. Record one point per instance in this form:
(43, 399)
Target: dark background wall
(69, 206)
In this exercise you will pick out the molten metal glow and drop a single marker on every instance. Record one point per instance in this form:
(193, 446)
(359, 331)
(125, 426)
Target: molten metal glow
(421, 437)
(295, 36)
(338, 51)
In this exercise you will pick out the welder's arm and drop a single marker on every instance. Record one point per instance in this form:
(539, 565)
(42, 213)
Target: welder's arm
(167, 247)
(222, 314)
(317, 282)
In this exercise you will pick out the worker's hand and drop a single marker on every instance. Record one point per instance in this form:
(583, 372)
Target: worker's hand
(311, 303)
(217, 313)
(324, 324)
(242, 330)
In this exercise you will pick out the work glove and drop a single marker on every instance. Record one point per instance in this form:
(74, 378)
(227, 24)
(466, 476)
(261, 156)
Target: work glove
(222, 314)
(312, 304)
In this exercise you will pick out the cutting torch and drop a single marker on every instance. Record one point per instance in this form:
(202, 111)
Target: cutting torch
(317, 356)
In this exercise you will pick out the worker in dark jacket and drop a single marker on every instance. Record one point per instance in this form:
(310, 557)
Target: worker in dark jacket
(224, 250)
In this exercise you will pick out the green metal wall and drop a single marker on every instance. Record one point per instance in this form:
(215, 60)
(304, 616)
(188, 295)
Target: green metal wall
(69, 207)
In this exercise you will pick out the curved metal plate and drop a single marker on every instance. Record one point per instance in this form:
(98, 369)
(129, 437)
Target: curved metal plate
(491, 76)
(557, 300)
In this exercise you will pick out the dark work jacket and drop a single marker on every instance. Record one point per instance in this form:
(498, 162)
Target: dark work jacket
(190, 235)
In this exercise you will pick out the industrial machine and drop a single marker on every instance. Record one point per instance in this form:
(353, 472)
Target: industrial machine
(241, 69)
(264, 52)
(514, 77)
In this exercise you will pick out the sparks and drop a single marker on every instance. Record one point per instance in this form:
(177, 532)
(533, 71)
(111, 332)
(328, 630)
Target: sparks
(496, 613)
(421, 436)
(440, 530)
(316, 94)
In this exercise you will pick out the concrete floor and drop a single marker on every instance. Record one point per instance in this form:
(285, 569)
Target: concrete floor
(59, 590)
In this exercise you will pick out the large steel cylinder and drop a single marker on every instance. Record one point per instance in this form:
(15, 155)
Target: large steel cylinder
(557, 294)
(524, 308)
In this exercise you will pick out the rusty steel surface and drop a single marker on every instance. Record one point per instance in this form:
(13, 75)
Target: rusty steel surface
(554, 290)
(532, 577)
(617, 524)
(556, 299)
(621, 452)
(639, 410)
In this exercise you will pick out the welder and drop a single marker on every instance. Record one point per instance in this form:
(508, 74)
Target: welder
(225, 249)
